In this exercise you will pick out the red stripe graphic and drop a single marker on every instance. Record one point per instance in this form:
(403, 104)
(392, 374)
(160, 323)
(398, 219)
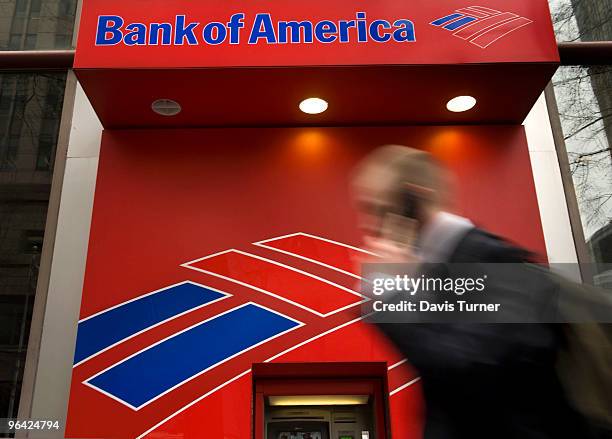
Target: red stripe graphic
(484, 9)
(481, 26)
(474, 12)
(325, 252)
(292, 285)
(498, 32)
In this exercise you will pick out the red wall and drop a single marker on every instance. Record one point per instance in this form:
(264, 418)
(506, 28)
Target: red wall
(170, 196)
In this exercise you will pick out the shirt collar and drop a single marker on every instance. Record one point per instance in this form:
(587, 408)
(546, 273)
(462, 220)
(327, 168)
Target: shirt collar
(440, 237)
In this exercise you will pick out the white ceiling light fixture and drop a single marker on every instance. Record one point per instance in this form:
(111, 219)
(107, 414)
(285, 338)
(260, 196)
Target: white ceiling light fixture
(166, 107)
(461, 104)
(313, 105)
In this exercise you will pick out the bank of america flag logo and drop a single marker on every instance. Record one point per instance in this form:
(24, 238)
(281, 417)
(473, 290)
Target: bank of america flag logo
(159, 353)
(481, 26)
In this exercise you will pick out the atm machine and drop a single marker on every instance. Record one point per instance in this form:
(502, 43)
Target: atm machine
(320, 401)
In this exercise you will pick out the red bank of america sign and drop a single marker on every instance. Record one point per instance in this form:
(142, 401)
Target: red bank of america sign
(344, 32)
(480, 25)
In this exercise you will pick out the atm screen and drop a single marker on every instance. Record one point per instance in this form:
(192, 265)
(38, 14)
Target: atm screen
(300, 435)
(298, 430)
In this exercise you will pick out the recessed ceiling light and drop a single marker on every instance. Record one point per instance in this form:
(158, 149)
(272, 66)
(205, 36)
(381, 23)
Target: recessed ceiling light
(461, 104)
(166, 107)
(313, 105)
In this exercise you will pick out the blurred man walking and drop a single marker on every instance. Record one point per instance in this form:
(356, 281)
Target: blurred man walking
(479, 380)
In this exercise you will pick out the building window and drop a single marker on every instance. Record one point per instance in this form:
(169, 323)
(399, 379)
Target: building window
(36, 24)
(584, 99)
(582, 20)
(30, 110)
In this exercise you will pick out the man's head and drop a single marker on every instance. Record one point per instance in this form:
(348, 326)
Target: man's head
(397, 181)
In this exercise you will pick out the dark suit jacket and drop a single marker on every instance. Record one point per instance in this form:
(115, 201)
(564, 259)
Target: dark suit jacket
(488, 380)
